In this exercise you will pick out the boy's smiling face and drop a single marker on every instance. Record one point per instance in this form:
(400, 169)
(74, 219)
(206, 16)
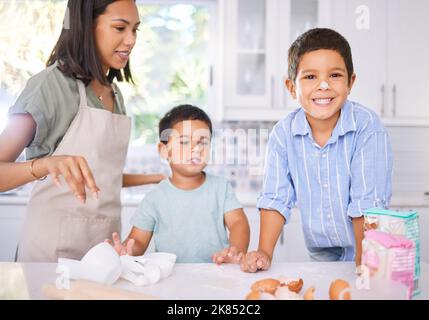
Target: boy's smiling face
(322, 85)
(188, 147)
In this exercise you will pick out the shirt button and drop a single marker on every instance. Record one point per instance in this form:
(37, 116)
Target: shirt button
(325, 185)
(324, 155)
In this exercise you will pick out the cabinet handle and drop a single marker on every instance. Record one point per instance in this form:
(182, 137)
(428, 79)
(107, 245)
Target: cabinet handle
(427, 193)
(382, 100)
(211, 76)
(394, 100)
(273, 83)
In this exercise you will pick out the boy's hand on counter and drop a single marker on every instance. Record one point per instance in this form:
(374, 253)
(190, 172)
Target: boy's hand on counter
(119, 247)
(227, 255)
(254, 261)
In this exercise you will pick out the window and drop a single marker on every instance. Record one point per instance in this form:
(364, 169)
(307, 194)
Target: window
(171, 62)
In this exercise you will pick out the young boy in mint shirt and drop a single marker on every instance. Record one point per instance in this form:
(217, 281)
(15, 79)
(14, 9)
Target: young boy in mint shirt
(331, 157)
(189, 213)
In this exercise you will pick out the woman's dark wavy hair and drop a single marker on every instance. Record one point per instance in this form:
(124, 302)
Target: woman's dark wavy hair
(75, 49)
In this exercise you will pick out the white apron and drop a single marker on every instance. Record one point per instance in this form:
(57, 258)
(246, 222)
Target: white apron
(57, 224)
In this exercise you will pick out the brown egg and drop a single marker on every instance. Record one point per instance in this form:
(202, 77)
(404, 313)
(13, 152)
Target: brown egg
(309, 294)
(339, 290)
(267, 285)
(254, 295)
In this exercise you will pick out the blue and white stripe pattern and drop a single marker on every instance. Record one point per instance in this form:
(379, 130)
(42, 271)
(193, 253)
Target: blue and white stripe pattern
(333, 184)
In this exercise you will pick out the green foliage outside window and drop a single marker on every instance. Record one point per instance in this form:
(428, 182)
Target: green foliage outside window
(169, 62)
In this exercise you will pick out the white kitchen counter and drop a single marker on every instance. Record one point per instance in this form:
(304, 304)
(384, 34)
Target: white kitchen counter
(211, 282)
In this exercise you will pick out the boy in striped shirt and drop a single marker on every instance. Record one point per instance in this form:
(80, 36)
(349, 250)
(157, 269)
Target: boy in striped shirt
(331, 157)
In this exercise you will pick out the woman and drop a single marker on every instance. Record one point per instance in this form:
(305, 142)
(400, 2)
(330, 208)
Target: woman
(71, 119)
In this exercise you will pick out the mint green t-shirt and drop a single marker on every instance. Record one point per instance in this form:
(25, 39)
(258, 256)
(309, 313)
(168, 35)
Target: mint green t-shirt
(188, 223)
(52, 99)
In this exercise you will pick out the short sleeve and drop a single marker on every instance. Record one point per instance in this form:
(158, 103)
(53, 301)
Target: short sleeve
(231, 202)
(120, 100)
(33, 101)
(145, 216)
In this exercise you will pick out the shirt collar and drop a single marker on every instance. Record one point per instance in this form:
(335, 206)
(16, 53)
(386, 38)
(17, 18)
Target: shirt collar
(346, 122)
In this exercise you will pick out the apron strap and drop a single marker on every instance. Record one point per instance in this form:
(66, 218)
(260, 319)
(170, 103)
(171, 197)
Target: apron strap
(82, 94)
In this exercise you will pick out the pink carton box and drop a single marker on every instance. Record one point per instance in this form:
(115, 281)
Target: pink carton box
(389, 257)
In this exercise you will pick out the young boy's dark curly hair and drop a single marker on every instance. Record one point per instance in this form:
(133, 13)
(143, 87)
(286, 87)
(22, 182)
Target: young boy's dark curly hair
(181, 113)
(315, 39)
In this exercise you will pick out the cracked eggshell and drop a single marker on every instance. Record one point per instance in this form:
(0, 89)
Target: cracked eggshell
(283, 293)
(266, 285)
(254, 295)
(309, 294)
(339, 290)
(294, 285)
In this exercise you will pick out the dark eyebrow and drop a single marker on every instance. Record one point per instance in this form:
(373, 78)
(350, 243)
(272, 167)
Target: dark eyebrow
(125, 21)
(308, 71)
(339, 69)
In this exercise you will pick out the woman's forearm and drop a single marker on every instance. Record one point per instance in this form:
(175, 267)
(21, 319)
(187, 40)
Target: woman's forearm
(16, 174)
(133, 180)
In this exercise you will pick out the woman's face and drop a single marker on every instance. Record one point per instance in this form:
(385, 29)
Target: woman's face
(115, 33)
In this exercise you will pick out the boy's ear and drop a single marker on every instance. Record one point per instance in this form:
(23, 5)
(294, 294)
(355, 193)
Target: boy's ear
(163, 150)
(352, 81)
(291, 87)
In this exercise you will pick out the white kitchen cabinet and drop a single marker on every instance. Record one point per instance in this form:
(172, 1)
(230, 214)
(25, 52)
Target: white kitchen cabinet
(12, 217)
(256, 37)
(388, 55)
(368, 41)
(408, 52)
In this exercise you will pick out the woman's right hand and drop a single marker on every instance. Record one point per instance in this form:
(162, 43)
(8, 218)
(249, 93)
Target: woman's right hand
(119, 247)
(75, 171)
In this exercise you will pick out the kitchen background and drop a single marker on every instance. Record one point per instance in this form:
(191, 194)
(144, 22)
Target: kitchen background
(229, 57)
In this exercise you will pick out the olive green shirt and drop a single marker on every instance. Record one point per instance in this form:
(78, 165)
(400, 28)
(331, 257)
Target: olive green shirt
(52, 99)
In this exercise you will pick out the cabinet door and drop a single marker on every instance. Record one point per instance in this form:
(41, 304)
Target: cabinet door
(408, 52)
(249, 59)
(11, 222)
(296, 17)
(363, 24)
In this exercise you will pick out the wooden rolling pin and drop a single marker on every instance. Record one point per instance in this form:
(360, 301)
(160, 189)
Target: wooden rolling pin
(88, 290)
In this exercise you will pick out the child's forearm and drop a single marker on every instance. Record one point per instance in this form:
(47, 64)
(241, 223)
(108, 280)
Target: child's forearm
(137, 249)
(272, 223)
(359, 234)
(239, 236)
(133, 180)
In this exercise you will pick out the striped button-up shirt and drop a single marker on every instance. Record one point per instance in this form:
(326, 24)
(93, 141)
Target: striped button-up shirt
(329, 184)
